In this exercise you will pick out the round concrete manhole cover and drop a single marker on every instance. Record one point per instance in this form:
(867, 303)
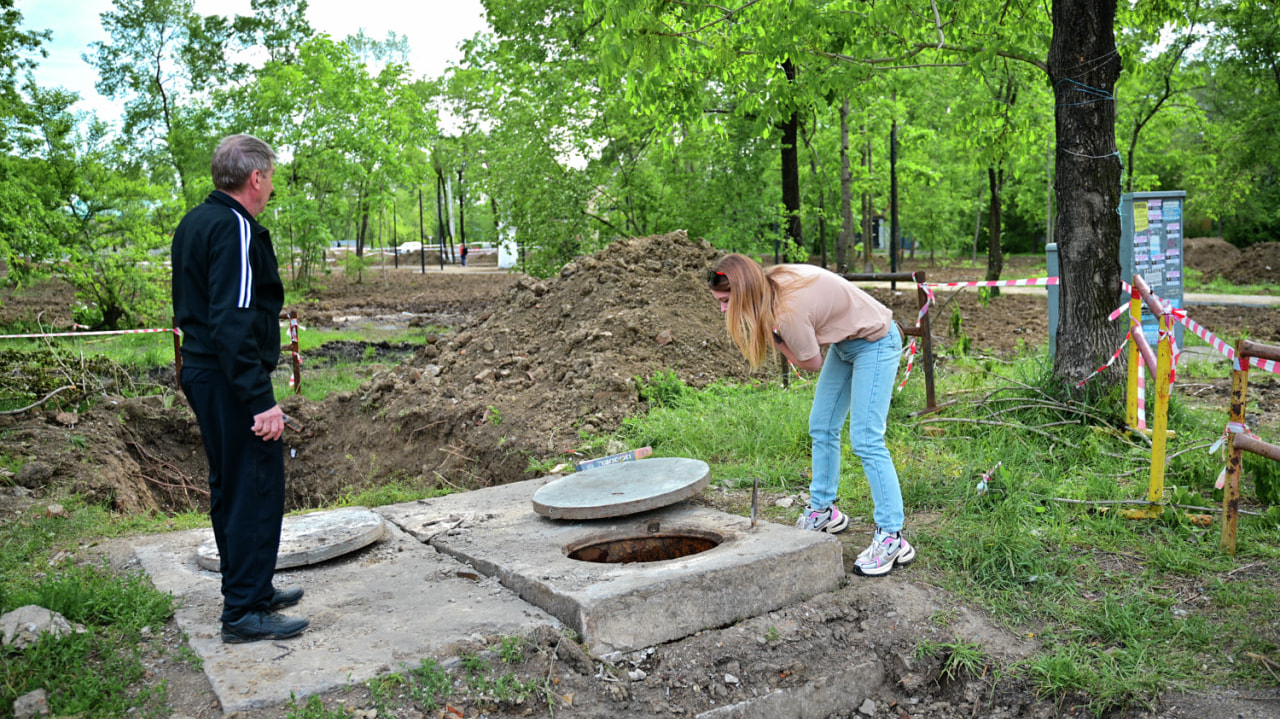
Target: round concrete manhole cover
(314, 538)
(620, 489)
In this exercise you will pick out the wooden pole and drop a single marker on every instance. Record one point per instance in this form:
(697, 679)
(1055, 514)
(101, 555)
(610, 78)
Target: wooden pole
(1235, 414)
(295, 360)
(926, 344)
(177, 355)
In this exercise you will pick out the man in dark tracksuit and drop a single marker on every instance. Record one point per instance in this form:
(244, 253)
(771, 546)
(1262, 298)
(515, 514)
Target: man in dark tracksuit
(227, 297)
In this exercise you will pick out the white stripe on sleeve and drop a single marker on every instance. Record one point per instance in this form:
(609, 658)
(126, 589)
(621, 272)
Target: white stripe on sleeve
(246, 271)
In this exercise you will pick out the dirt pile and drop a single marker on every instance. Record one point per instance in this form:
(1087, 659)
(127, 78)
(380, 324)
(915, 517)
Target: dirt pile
(1210, 255)
(1257, 264)
(551, 362)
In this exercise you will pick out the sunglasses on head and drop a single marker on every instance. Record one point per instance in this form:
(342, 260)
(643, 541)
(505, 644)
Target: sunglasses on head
(714, 278)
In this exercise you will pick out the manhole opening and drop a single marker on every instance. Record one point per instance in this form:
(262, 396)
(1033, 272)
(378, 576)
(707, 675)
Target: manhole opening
(644, 548)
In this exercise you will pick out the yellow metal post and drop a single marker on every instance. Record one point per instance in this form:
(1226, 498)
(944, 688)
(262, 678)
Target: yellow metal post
(1160, 420)
(1131, 391)
(1231, 491)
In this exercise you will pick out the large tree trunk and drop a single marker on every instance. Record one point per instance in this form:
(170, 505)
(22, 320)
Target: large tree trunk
(995, 254)
(791, 166)
(846, 194)
(1083, 67)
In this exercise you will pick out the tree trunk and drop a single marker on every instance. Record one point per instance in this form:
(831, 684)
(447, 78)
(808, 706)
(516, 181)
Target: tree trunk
(462, 213)
(1083, 67)
(895, 232)
(822, 206)
(868, 209)
(791, 166)
(977, 228)
(995, 255)
(440, 214)
(846, 194)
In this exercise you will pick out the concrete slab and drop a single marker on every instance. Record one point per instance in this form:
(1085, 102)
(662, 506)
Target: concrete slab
(313, 538)
(616, 490)
(395, 602)
(626, 606)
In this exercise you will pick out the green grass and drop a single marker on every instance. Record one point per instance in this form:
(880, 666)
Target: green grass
(1221, 286)
(1112, 600)
(85, 674)
(319, 382)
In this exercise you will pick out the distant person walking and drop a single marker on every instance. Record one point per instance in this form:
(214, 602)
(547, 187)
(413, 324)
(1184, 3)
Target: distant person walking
(227, 297)
(796, 309)
(463, 252)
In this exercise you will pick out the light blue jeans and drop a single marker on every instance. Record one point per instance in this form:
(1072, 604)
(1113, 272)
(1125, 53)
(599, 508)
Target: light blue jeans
(856, 382)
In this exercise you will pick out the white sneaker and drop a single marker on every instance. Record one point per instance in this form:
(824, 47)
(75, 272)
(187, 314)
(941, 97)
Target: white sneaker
(886, 551)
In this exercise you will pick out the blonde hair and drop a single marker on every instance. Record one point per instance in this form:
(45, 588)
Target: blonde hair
(756, 299)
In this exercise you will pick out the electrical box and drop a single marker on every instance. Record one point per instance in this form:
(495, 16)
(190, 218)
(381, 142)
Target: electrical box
(1151, 245)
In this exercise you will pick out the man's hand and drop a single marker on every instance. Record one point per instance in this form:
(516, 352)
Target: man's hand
(269, 425)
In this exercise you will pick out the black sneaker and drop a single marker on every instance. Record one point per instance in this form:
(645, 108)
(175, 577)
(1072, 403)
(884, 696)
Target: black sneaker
(256, 626)
(285, 598)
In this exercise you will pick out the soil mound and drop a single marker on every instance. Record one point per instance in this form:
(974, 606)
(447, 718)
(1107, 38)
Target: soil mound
(1210, 255)
(1257, 264)
(552, 362)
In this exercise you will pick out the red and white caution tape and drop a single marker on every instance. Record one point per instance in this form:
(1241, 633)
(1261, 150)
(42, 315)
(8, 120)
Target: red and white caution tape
(88, 334)
(1029, 282)
(293, 338)
(1230, 429)
(1110, 362)
(1119, 311)
(1223, 348)
(929, 300)
(1142, 396)
(911, 360)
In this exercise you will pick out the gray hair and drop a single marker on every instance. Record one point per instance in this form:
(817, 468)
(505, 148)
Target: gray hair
(237, 157)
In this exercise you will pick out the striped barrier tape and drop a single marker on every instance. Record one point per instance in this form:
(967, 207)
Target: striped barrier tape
(1230, 429)
(1110, 362)
(1029, 282)
(929, 300)
(293, 339)
(1220, 346)
(910, 352)
(1142, 396)
(88, 334)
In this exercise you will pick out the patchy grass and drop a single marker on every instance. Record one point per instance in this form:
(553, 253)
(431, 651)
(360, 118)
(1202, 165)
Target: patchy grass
(1125, 609)
(1195, 282)
(89, 673)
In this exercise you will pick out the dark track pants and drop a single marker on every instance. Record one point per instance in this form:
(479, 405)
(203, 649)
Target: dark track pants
(246, 491)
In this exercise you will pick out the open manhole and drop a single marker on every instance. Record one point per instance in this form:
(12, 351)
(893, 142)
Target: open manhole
(651, 547)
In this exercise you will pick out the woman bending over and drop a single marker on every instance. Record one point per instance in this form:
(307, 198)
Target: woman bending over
(797, 309)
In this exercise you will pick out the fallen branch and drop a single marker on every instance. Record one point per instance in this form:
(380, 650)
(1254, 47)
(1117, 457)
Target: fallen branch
(1011, 425)
(37, 404)
(1146, 503)
(1266, 663)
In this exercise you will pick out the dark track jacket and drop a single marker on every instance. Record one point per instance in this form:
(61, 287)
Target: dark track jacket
(227, 297)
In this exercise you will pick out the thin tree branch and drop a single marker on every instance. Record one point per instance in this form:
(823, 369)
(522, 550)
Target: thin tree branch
(40, 402)
(606, 223)
(1144, 502)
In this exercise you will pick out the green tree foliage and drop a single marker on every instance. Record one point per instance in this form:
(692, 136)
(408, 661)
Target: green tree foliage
(1244, 105)
(101, 215)
(161, 56)
(349, 136)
